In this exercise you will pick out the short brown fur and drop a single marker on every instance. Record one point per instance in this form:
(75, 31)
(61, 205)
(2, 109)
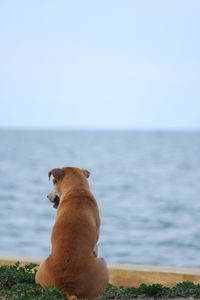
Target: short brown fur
(72, 266)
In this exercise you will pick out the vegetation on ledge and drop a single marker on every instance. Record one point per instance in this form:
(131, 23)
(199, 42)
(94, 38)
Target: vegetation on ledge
(18, 283)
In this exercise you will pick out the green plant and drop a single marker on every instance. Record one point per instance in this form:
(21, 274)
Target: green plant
(18, 283)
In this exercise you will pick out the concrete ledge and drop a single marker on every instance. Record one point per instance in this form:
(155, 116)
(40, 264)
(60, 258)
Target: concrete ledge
(7, 260)
(132, 275)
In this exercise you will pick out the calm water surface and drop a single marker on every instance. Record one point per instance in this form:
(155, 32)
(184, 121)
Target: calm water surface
(147, 185)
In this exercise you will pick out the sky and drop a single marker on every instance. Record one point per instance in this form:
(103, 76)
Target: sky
(100, 64)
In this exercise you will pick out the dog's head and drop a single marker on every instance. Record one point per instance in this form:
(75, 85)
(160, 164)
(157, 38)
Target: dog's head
(58, 176)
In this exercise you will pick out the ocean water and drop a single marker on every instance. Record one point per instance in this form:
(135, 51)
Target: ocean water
(147, 185)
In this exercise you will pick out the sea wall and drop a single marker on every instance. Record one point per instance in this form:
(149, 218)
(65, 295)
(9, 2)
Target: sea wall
(132, 275)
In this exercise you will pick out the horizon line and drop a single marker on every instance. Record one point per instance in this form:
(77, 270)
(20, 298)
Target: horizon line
(98, 128)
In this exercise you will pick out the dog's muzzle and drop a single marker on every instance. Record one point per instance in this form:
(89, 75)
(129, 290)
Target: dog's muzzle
(54, 198)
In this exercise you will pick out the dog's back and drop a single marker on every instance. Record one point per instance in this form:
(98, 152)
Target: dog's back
(76, 230)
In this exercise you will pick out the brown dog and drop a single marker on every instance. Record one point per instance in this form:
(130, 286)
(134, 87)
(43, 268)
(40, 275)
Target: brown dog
(72, 265)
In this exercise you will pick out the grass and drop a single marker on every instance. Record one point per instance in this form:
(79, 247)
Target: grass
(18, 283)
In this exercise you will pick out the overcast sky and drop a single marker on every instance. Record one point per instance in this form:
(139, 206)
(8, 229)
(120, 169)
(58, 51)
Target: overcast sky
(100, 64)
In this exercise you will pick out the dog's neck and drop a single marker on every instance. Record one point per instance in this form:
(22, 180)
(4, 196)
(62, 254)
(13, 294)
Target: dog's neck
(69, 186)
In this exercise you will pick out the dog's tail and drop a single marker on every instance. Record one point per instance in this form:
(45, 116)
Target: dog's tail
(72, 297)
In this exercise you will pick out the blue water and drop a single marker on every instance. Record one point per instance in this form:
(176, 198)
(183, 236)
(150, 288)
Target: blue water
(147, 185)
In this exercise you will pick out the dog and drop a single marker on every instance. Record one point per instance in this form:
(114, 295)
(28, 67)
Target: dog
(72, 265)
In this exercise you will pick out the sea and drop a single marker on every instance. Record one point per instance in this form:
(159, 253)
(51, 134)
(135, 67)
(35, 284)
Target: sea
(147, 185)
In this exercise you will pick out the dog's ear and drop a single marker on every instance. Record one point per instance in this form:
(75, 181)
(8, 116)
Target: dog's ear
(86, 173)
(56, 173)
